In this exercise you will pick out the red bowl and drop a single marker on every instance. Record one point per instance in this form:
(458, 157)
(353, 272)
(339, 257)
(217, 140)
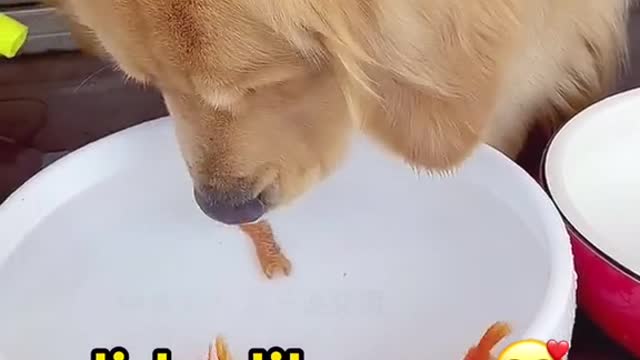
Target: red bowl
(591, 170)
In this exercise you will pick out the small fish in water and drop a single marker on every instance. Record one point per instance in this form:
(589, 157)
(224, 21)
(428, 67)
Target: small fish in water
(267, 249)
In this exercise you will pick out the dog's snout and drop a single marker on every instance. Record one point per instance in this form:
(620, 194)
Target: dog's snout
(229, 210)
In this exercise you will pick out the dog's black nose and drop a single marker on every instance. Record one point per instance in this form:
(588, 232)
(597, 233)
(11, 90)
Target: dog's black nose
(227, 211)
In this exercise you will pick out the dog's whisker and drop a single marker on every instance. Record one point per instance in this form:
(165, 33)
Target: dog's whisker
(90, 77)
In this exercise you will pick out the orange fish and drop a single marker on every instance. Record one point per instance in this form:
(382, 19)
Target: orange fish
(267, 249)
(218, 350)
(496, 333)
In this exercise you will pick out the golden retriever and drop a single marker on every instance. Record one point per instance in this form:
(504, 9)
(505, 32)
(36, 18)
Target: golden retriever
(267, 93)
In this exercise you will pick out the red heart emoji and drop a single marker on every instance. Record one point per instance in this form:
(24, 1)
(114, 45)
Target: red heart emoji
(557, 350)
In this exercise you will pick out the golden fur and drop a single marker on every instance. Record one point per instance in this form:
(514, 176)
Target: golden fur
(266, 93)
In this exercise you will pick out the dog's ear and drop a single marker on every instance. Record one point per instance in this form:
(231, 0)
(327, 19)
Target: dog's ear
(422, 76)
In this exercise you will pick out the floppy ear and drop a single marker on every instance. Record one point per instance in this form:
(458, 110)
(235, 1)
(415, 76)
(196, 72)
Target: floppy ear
(422, 76)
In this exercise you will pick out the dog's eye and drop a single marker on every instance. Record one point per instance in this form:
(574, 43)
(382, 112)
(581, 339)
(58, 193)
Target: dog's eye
(250, 91)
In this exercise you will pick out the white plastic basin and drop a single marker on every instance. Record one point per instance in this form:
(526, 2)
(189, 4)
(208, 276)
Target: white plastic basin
(106, 248)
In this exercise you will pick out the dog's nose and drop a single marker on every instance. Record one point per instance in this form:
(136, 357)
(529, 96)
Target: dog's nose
(227, 211)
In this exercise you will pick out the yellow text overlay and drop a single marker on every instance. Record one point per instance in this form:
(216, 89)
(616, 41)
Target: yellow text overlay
(276, 353)
(120, 353)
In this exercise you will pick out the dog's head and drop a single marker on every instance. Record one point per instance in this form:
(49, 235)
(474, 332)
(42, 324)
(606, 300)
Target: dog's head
(265, 94)
(259, 118)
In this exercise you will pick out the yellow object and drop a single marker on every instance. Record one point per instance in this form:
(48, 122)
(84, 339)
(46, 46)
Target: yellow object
(526, 350)
(12, 36)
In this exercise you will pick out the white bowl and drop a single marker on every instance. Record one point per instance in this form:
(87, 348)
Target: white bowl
(106, 248)
(593, 173)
